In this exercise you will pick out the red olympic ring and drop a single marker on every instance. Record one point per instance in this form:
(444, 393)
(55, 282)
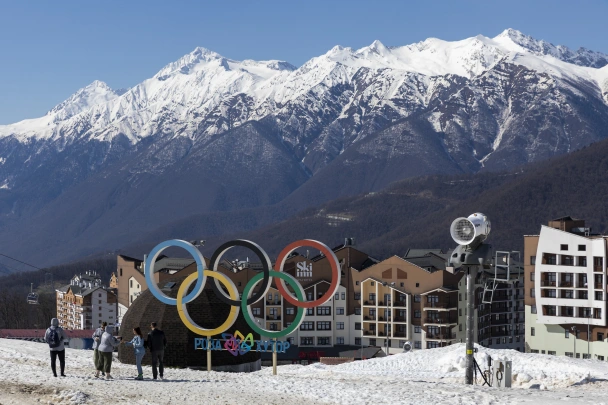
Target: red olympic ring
(335, 270)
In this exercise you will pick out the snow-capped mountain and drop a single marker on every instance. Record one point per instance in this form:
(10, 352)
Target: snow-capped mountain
(343, 122)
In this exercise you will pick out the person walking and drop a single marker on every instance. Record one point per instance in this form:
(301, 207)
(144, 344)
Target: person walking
(54, 337)
(106, 347)
(157, 342)
(138, 345)
(96, 340)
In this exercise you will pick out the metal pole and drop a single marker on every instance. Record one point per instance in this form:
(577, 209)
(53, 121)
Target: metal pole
(385, 298)
(588, 337)
(274, 357)
(209, 354)
(470, 359)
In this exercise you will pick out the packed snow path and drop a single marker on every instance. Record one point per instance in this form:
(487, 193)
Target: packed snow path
(424, 377)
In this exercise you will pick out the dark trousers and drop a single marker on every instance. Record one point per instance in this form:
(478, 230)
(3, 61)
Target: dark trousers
(157, 359)
(61, 355)
(105, 362)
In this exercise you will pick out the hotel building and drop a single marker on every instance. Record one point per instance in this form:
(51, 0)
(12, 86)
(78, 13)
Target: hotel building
(565, 283)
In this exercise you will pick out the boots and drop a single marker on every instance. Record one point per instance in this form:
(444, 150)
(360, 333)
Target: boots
(97, 374)
(139, 377)
(109, 377)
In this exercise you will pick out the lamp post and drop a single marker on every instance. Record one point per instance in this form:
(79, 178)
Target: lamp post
(574, 330)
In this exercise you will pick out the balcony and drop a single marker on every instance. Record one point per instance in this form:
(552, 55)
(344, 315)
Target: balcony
(369, 333)
(274, 303)
(273, 317)
(400, 319)
(501, 297)
(501, 321)
(548, 283)
(500, 333)
(440, 321)
(370, 302)
(598, 286)
(369, 318)
(400, 334)
(440, 336)
(441, 304)
(598, 269)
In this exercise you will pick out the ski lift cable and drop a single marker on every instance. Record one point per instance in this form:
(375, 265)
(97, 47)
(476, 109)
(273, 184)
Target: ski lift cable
(22, 262)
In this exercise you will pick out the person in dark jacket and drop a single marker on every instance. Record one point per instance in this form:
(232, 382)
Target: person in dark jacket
(96, 341)
(157, 342)
(54, 337)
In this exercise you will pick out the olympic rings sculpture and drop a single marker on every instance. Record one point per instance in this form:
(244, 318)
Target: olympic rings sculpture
(250, 297)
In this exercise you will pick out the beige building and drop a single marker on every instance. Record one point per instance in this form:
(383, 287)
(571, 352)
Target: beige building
(85, 303)
(565, 284)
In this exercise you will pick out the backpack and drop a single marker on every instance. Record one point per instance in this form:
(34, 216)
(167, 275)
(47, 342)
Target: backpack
(53, 339)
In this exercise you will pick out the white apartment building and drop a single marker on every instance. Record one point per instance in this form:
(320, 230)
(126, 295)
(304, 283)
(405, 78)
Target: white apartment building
(566, 285)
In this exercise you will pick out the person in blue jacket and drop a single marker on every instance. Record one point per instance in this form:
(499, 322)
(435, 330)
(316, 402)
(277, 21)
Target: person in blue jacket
(138, 345)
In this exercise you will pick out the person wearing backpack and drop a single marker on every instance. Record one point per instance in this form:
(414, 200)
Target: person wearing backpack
(54, 337)
(106, 347)
(138, 346)
(96, 340)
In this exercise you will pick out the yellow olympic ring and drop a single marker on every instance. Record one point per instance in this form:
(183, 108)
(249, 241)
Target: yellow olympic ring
(183, 311)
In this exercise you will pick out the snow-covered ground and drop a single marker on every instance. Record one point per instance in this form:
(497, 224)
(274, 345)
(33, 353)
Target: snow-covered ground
(423, 377)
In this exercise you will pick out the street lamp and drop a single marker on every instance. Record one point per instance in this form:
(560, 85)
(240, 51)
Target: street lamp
(387, 299)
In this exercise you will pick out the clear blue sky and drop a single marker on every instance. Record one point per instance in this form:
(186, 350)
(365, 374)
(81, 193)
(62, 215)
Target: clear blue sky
(49, 49)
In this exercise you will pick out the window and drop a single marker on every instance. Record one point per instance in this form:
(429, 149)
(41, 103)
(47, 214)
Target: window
(569, 354)
(307, 326)
(290, 340)
(356, 283)
(357, 295)
(532, 332)
(417, 344)
(131, 283)
(121, 272)
(273, 326)
(287, 324)
(343, 296)
(578, 355)
(306, 341)
(323, 325)
(582, 261)
(372, 297)
(416, 297)
(551, 353)
(340, 311)
(417, 314)
(289, 311)
(417, 284)
(323, 310)
(357, 325)
(372, 342)
(600, 337)
(542, 352)
(358, 341)
(357, 311)
(567, 334)
(402, 284)
(563, 247)
(586, 356)
(417, 329)
(270, 297)
(309, 296)
(582, 248)
(533, 260)
(599, 295)
(336, 296)
(310, 311)
(256, 311)
(339, 325)
(534, 351)
(533, 309)
(373, 284)
(339, 340)
(99, 294)
(460, 312)
(532, 276)
(239, 284)
(460, 327)
(532, 293)
(459, 296)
